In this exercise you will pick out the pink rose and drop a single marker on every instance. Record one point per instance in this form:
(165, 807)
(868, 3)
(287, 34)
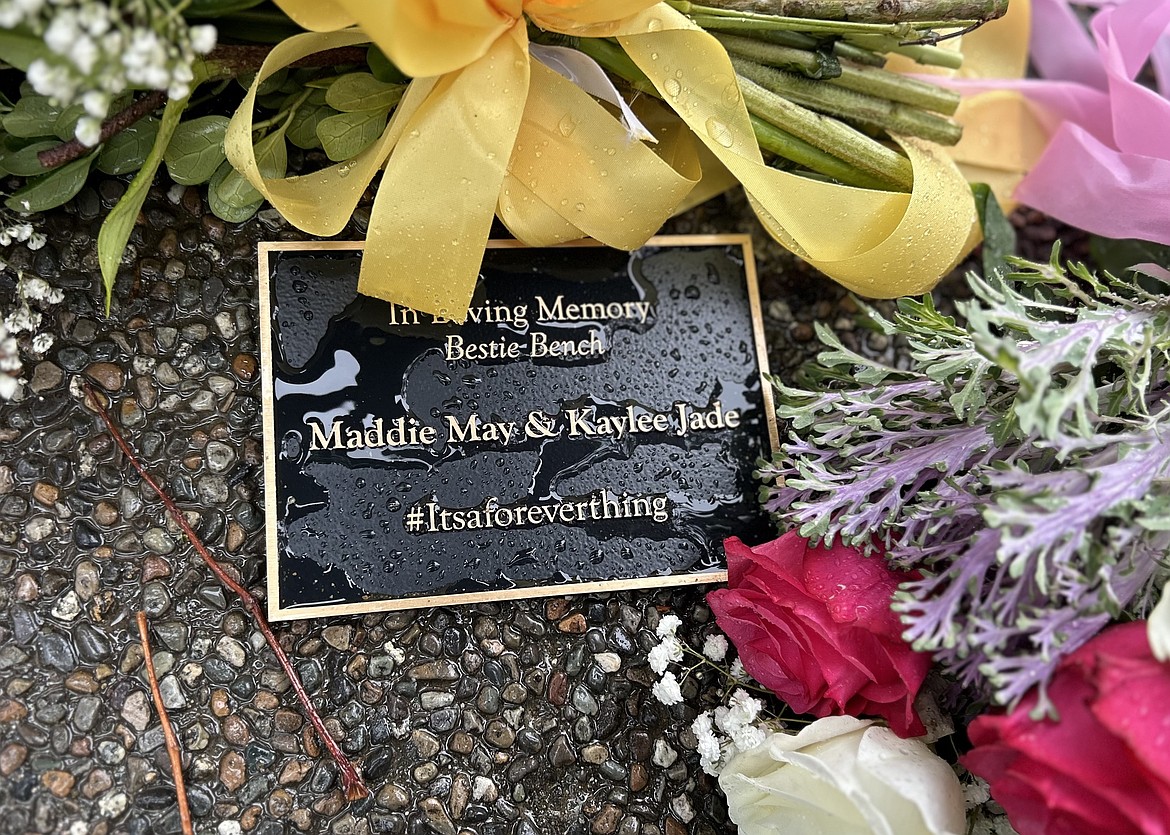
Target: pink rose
(814, 625)
(1102, 768)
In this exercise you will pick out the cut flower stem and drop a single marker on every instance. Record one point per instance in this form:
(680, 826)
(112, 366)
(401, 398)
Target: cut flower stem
(824, 145)
(889, 115)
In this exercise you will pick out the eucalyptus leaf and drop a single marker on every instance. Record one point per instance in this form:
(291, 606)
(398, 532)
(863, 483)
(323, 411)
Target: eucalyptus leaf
(51, 190)
(23, 162)
(126, 151)
(999, 236)
(65, 128)
(361, 91)
(116, 228)
(20, 47)
(383, 68)
(31, 117)
(272, 154)
(231, 197)
(271, 84)
(196, 150)
(272, 101)
(302, 128)
(347, 134)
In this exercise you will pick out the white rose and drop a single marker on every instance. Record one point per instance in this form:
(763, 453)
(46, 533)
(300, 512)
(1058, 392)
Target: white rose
(842, 776)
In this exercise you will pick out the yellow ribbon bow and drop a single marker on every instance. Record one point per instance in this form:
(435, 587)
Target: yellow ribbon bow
(482, 129)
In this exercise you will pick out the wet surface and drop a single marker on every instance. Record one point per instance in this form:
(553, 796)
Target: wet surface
(531, 717)
(665, 331)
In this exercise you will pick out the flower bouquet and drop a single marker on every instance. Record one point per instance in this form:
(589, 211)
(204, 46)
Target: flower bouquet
(982, 532)
(976, 532)
(564, 120)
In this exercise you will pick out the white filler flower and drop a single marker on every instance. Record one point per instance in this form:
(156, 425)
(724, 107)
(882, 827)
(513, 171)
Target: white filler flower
(842, 776)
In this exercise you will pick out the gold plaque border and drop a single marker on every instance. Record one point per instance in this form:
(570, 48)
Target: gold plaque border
(278, 613)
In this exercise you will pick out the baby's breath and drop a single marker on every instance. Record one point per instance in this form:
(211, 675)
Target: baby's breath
(100, 49)
(19, 327)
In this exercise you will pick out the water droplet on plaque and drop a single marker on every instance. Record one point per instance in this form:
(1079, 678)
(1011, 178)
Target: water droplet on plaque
(672, 88)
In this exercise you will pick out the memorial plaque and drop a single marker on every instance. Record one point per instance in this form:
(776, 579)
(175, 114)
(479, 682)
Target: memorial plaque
(592, 426)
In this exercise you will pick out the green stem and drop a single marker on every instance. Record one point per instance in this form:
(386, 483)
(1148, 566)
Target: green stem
(803, 61)
(778, 141)
(852, 52)
(892, 117)
(857, 159)
(930, 56)
(888, 11)
(796, 40)
(285, 115)
(884, 84)
(898, 27)
(823, 143)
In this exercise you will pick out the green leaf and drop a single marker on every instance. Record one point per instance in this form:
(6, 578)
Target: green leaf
(302, 128)
(23, 162)
(272, 154)
(31, 117)
(126, 151)
(196, 150)
(347, 134)
(19, 47)
(999, 236)
(65, 127)
(231, 197)
(271, 84)
(116, 228)
(383, 68)
(1118, 255)
(361, 91)
(51, 190)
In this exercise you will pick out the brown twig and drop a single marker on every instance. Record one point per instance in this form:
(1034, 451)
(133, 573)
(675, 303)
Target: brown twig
(168, 731)
(351, 781)
(227, 61)
(233, 59)
(75, 149)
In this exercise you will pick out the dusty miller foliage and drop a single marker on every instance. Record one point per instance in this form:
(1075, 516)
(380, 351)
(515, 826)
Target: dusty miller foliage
(1020, 464)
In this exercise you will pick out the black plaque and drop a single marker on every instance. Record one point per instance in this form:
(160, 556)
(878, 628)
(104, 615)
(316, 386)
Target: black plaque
(593, 425)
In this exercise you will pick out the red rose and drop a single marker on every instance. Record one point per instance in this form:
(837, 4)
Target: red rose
(1104, 765)
(814, 625)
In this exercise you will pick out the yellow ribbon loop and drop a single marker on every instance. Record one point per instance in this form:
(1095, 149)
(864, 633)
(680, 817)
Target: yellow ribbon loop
(624, 191)
(876, 243)
(322, 202)
(433, 211)
(483, 130)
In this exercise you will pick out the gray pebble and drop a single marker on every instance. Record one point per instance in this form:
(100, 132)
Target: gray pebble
(584, 701)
